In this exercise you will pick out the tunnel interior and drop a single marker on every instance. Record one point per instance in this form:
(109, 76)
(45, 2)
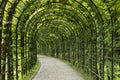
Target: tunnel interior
(86, 33)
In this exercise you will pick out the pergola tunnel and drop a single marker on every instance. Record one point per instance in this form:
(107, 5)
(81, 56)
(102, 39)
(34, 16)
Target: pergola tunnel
(85, 33)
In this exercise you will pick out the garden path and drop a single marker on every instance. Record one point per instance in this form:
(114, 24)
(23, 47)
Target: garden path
(55, 69)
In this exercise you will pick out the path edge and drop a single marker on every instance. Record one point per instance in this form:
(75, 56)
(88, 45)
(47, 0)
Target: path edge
(36, 71)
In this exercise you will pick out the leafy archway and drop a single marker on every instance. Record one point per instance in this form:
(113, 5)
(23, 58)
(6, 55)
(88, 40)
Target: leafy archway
(84, 32)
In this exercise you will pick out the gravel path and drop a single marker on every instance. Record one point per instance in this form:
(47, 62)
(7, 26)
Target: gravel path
(54, 69)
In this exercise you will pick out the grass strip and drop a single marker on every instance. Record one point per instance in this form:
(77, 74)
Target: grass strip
(32, 72)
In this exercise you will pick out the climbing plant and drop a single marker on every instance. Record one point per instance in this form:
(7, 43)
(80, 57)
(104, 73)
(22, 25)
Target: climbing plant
(84, 32)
